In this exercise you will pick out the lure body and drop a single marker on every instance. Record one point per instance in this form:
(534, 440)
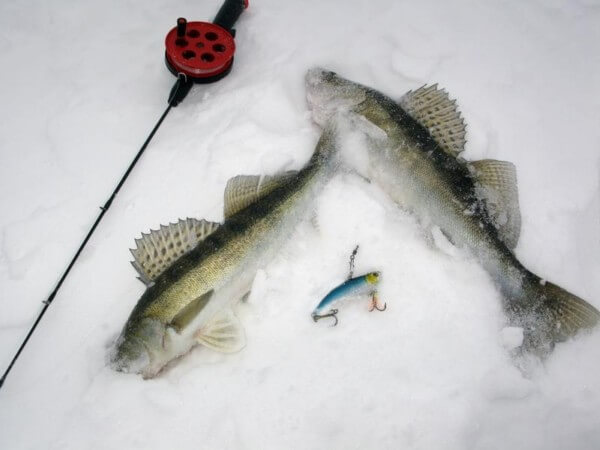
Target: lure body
(362, 285)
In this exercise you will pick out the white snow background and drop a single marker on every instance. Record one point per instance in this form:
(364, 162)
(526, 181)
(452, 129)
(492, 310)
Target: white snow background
(83, 83)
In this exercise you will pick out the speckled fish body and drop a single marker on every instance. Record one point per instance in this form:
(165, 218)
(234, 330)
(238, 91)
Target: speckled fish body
(412, 153)
(189, 302)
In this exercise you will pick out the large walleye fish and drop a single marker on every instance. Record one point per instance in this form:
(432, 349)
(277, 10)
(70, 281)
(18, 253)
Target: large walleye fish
(195, 270)
(413, 149)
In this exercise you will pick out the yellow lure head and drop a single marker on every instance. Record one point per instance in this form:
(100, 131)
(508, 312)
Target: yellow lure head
(373, 277)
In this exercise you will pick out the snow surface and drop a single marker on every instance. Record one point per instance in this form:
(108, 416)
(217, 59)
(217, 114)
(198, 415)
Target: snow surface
(82, 85)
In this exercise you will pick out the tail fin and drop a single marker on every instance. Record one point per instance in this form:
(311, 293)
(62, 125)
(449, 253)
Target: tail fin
(570, 312)
(553, 315)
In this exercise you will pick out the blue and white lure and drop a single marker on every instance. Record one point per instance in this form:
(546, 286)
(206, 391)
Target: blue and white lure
(362, 285)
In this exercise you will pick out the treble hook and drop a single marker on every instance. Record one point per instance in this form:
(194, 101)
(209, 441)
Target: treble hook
(374, 304)
(331, 313)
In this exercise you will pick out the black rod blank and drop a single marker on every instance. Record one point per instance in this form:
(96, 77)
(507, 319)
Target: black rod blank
(174, 98)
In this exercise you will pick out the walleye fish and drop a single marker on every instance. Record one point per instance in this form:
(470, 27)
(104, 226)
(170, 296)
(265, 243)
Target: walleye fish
(196, 270)
(413, 149)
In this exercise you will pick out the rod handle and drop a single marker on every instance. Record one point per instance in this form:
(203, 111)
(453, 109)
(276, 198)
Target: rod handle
(229, 13)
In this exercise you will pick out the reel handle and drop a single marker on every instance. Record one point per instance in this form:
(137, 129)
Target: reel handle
(229, 13)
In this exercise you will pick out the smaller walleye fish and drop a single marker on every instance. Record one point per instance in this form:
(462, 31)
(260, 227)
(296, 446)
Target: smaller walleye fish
(195, 271)
(358, 286)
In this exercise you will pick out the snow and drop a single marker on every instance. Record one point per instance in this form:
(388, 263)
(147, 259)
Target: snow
(83, 84)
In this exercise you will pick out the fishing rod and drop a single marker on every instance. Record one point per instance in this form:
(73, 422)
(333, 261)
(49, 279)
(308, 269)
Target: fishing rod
(196, 53)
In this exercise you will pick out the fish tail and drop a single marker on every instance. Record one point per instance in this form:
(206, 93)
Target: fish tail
(571, 312)
(550, 314)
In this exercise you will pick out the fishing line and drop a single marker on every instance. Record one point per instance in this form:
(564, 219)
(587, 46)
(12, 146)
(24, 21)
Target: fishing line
(351, 263)
(215, 44)
(174, 99)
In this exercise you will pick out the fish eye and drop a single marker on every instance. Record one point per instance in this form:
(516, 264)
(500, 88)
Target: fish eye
(329, 76)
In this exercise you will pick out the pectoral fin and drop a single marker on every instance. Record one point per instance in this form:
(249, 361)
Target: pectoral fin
(497, 183)
(191, 311)
(224, 333)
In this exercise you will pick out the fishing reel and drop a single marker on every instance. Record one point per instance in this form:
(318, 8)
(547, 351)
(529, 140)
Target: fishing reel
(202, 52)
(196, 52)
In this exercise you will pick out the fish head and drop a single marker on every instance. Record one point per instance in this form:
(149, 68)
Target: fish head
(140, 347)
(328, 93)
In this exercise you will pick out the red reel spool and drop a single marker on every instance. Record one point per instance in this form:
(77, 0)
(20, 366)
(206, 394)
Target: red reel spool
(202, 51)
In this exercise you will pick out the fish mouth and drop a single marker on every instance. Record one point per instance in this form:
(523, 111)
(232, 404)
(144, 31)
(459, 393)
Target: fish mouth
(316, 76)
(327, 94)
(317, 94)
(129, 355)
(311, 83)
(316, 80)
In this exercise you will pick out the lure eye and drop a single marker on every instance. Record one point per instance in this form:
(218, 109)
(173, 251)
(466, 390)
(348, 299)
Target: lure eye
(373, 277)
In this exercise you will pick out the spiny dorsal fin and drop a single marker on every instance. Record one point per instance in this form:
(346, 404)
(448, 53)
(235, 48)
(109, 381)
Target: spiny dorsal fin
(224, 333)
(243, 190)
(433, 109)
(496, 183)
(158, 249)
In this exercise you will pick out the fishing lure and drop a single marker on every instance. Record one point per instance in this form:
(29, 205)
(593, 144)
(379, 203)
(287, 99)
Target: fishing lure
(361, 285)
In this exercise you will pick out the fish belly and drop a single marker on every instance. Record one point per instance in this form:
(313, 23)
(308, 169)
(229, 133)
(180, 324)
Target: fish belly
(412, 180)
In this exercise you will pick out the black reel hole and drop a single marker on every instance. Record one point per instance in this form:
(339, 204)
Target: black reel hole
(181, 42)
(207, 57)
(219, 48)
(193, 33)
(188, 54)
(211, 36)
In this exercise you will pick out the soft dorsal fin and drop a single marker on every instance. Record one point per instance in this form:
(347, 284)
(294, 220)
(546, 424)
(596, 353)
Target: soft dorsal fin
(187, 315)
(243, 190)
(157, 250)
(496, 183)
(433, 109)
(224, 333)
